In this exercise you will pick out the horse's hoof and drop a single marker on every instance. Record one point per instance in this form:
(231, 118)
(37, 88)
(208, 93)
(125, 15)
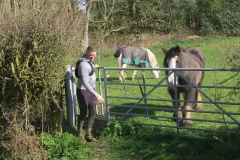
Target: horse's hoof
(186, 123)
(197, 107)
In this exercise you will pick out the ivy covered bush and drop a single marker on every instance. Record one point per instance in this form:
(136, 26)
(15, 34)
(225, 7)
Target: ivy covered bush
(35, 47)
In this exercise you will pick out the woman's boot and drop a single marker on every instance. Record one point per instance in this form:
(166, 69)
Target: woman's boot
(88, 136)
(79, 130)
(90, 121)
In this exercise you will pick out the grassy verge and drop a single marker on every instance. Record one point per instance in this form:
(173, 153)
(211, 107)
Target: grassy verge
(121, 142)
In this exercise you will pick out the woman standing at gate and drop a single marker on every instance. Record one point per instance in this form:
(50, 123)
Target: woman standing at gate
(86, 93)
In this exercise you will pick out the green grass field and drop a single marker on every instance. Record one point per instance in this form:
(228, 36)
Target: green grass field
(130, 141)
(121, 98)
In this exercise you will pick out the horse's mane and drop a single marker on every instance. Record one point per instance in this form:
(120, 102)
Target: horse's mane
(152, 59)
(196, 54)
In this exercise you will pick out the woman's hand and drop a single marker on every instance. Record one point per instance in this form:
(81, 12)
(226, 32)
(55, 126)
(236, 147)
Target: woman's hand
(100, 99)
(97, 66)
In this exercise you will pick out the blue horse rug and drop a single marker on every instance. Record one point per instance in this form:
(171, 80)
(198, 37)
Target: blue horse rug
(133, 55)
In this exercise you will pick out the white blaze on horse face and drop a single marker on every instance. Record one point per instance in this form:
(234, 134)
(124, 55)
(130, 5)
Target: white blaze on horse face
(172, 63)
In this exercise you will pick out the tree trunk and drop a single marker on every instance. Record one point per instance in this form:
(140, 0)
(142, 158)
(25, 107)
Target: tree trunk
(85, 38)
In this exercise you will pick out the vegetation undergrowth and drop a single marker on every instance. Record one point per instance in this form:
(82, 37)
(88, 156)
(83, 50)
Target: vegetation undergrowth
(66, 146)
(128, 141)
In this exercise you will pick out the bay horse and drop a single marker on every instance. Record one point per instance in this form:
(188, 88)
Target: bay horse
(177, 57)
(137, 56)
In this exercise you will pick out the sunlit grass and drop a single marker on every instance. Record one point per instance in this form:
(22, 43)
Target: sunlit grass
(150, 133)
(213, 59)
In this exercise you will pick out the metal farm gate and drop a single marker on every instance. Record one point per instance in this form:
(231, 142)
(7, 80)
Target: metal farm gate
(143, 103)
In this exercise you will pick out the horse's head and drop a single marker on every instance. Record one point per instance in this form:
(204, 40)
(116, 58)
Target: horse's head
(172, 60)
(156, 72)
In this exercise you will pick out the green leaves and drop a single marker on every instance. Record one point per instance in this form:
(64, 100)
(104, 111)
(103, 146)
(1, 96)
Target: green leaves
(64, 146)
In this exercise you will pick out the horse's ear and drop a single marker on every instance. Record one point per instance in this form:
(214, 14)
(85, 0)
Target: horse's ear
(164, 50)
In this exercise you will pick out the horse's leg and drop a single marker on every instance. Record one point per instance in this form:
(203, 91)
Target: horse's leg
(198, 106)
(134, 74)
(190, 96)
(177, 115)
(122, 76)
(142, 72)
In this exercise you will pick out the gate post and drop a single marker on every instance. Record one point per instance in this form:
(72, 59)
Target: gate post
(70, 89)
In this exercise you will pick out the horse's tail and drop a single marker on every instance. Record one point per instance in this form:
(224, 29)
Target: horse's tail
(120, 60)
